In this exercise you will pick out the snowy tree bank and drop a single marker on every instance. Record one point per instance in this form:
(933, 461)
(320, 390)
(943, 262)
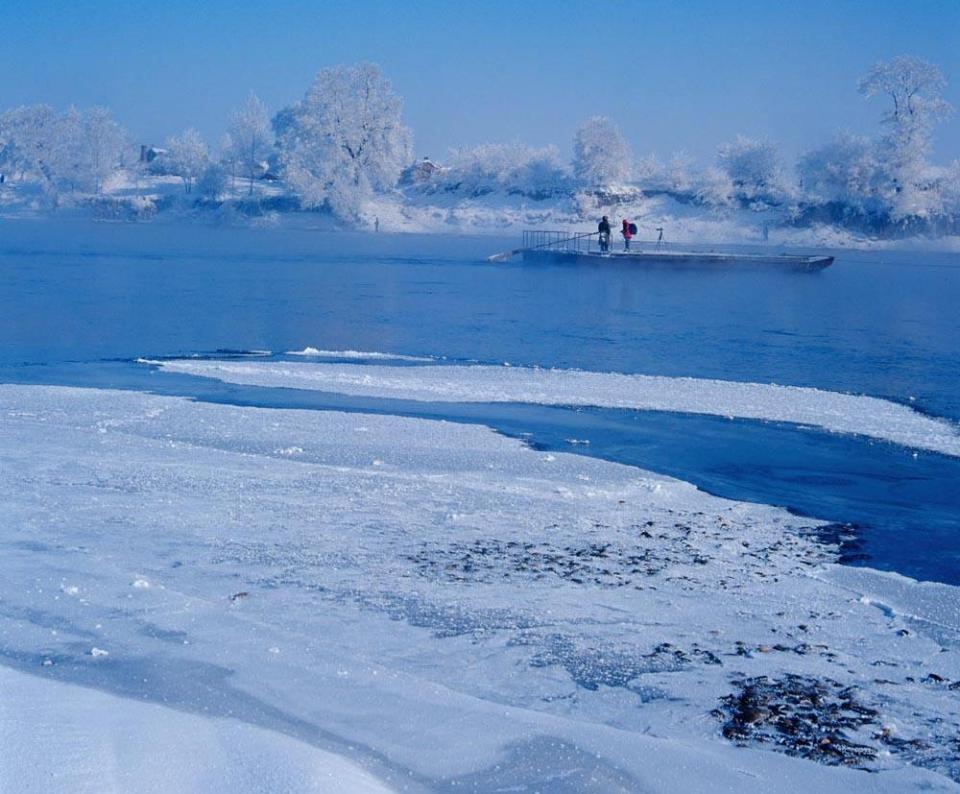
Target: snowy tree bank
(343, 153)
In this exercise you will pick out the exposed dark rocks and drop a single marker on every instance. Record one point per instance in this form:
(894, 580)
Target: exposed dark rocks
(804, 717)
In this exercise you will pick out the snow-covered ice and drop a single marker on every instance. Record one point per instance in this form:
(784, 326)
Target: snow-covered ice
(359, 355)
(841, 413)
(470, 612)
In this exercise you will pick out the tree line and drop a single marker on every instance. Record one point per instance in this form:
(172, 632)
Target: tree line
(345, 141)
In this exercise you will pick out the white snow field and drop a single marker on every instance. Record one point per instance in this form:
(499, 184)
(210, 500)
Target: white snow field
(62, 737)
(300, 600)
(840, 413)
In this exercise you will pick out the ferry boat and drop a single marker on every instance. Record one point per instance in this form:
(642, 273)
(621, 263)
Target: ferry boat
(550, 246)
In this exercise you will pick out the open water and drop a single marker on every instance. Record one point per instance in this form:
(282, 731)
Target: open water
(79, 303)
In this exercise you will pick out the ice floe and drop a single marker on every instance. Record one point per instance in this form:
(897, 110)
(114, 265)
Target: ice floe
(833, 411)
(359, 355)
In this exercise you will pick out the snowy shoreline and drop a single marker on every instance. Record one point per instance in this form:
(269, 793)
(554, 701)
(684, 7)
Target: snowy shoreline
(502, 215)
(448, 599)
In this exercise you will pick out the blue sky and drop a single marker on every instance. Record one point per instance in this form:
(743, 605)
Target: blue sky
(680, 75)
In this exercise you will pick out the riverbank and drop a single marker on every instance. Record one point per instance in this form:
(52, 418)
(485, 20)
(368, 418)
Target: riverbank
(494, 214)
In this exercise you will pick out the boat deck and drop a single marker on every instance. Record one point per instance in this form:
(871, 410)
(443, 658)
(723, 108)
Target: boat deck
(551, 246)
(681, 258)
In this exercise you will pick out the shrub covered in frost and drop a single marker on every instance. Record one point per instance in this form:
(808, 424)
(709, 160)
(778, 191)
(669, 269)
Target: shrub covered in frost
(212, 183)
(844, 170)
(753, 168)
(950, 190)
(508, 168)
(716, 188)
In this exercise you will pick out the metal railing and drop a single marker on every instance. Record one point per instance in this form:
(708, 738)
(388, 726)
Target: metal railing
(553, 241)
(580, 243)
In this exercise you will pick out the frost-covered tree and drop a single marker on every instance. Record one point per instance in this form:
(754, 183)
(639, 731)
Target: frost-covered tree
(950, 191)
(511, 168)
(104, 141)
(67, 160)
(752, 167)
(251, 138)
(228, 157)
(601, 156)
(914, 87)
(650, 173)
(29, 133)
(8, 157)
(680, 173)
(844, 170)
(539, 173)
(716, 188)
(344, 140)
(188, 156)
(74, 151)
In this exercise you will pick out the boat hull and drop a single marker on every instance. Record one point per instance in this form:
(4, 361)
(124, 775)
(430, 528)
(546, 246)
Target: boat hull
(682, 259)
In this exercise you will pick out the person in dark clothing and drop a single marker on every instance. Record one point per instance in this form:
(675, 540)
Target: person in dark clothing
(604, 231)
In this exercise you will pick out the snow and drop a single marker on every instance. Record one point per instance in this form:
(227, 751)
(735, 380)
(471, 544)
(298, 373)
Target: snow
(58, 736)
(161, 199)
(466, 614)
(683, 222)
(360, 355)
(832, 411)
(935, 605)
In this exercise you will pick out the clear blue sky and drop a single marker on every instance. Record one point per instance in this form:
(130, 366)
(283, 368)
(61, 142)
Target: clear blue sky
(682, 75)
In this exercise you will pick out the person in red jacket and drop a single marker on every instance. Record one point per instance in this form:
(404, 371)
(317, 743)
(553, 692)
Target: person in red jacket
(627, 234)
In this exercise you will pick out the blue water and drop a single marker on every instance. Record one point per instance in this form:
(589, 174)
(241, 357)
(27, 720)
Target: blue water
(78, 303)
